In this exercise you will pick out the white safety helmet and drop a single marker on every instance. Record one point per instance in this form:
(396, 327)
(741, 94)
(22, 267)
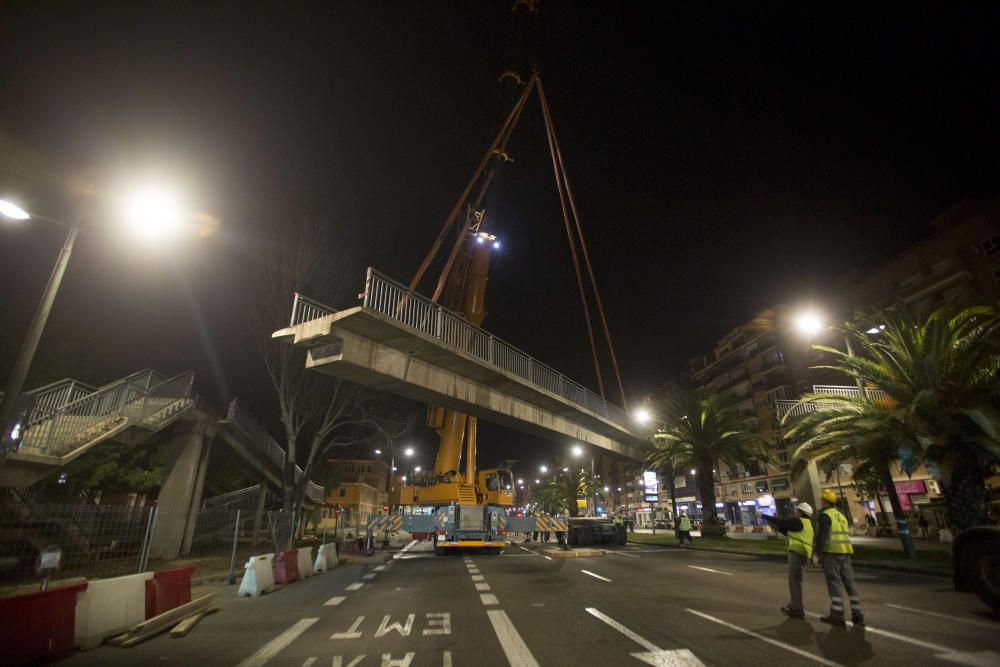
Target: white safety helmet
(805, 508)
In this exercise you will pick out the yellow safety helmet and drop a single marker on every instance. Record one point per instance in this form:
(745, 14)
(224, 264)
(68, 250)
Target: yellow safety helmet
(829, 496)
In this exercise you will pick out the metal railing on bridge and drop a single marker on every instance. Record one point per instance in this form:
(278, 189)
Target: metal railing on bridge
(243, 420)
(387, 297)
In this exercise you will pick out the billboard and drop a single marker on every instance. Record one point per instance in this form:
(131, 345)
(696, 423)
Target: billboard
(651, 487)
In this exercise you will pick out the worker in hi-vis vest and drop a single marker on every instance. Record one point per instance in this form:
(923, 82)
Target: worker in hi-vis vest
(684, 529)
(833, 544)
(799, 530)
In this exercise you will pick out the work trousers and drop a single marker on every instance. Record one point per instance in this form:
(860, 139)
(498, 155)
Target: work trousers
(685, 535)
(796, 566)
(840, 578)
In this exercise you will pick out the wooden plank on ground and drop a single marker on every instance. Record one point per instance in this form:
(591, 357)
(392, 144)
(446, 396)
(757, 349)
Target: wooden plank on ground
(188, 623)
(157, 624)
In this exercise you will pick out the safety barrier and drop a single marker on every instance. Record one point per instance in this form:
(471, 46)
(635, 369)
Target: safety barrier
(304, 564)
(326, 558)
(259, 576)
(286, 567)
(168, 589)
(110, 606)
(39, 626)
(390, 522)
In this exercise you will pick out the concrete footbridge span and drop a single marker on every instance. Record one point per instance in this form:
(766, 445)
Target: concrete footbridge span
(404, 343)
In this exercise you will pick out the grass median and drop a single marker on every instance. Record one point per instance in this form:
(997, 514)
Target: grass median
(930, 561)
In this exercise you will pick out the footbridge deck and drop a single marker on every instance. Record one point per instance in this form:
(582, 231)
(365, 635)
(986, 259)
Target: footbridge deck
(403, 343)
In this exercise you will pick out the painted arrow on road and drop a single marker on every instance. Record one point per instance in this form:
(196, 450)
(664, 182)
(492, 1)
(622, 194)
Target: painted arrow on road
(654, 655)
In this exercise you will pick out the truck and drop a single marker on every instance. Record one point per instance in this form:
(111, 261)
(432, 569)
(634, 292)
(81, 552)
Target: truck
(975, 556)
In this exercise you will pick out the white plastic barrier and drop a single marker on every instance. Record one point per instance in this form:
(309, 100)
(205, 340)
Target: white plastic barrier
(108, 607)
(259, 577)
(326, 558)
(305, 555)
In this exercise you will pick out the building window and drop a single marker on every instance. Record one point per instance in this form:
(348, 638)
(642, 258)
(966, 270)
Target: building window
(780, 484)
(762, 486)
(991, 245)
(343, 493)
(748, 488)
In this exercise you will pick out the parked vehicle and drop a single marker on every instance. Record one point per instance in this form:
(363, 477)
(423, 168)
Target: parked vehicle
(975, 555)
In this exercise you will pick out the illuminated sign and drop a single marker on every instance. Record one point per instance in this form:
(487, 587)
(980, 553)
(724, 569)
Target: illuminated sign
(651, 487)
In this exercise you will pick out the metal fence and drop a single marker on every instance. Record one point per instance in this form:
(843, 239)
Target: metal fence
(102, 541)
(384, 295)
(99, 541)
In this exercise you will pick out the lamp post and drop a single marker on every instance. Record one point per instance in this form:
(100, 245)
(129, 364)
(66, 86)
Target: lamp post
(146, 211)
(591, 504)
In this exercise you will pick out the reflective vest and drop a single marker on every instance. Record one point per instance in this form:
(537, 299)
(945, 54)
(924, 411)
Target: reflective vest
(618, 521)
(685, 523)
(840, 541)
(801, 541)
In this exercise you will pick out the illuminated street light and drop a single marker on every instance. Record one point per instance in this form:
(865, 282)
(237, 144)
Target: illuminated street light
(12, 211)
(152, 212)
(809, 323)
(417, 469)
(520, 481)
(409, 451)
(693, 471)
(577, 450)
(565, 469)
(538, 481)
(606, 489)
(378, 451)
(544, 469)
(643, 416)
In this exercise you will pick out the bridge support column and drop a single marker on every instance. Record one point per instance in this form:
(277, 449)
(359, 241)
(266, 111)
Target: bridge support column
(807, 486)
(259, 512)
(180, 495)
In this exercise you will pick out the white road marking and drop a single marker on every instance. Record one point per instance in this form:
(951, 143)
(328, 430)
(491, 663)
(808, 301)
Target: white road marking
(987, 658)
(482, 587)
(446, 659)
(525, 548)
(369, 577)
(654, 654)
(488, 599)
(379, 568)
(548, 558)
(308, 662)
(355, 586)
(596, 576)
(338, 661)
(352, 632)
(478, 577)
(334, 601)
(402, 628)
(389, 661)
(438, 623)
(276, 645)
(517, 652)
(619, 553)
(708, 569)
(992, 626)
(773, 642)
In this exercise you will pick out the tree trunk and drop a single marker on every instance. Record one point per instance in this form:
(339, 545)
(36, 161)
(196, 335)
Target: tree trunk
(965, 491)
(706, 489)
(673, 499)
(902, 525)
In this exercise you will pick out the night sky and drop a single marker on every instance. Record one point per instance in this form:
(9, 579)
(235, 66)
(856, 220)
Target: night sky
(725, 156)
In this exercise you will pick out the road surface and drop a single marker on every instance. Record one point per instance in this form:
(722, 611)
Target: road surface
(637, 605)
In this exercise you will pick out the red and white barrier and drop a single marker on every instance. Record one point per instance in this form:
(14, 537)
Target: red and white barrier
(38, 626)
(259, 576)
(304, 556)
(286, 567)
(108, 607)
(326, 558)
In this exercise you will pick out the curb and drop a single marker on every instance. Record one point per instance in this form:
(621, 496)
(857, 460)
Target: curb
(890, 566)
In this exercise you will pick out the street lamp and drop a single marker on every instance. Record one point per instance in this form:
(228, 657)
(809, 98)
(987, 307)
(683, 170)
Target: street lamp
(643, 416)
(378, 451)
(409, 451)
(143, 207)
(543, 469)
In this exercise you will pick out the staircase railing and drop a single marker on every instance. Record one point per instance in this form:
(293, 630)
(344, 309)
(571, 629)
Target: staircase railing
(243, 420)
(242, 498)
(305, 309)
(52, 397)
(113, 400)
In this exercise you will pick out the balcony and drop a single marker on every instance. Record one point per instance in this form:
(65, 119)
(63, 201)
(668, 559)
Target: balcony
(797, 409)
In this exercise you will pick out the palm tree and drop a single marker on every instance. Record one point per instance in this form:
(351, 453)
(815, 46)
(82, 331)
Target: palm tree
(668, 457)
(707, 432)
(863, 430)
(939, 380)
(564, 489)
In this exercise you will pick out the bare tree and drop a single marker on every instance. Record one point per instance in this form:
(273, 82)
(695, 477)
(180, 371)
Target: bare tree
(317, 412)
